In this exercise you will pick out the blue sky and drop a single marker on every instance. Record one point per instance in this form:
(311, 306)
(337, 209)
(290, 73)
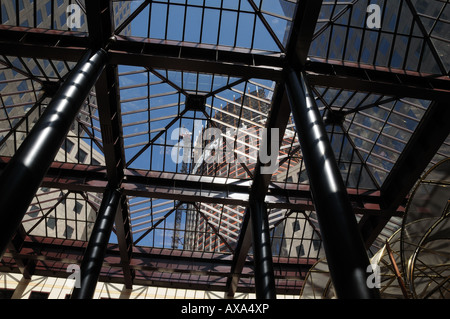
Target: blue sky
(219, 26)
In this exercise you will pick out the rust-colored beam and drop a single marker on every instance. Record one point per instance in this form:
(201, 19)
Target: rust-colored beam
(156, 266)
(375, 79)
(195, 188)
(184, 56)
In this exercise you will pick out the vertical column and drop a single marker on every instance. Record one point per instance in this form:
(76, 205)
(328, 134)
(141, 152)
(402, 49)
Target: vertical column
(98, 242)
(344, 248)
(262, 253)
(22, 176)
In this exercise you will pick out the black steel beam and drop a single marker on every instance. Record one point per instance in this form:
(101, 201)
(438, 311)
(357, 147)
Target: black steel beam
(302, 33)
(344, 248)
(262, 251)
(182, 57)
(24, 173)
(97, 245)
(125, 241)
(99, 16)
(42, 43)
(107, 94)
(426, 140)
(240, 256)
(300, 39)
(278, 118)
(193, 51)
(172, 55)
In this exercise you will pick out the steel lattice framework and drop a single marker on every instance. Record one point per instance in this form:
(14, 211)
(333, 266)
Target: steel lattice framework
(383, 94)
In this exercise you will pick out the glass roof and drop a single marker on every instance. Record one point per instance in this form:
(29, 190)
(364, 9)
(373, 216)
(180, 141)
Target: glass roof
(413, 35)
(159, 111)
(260, 25)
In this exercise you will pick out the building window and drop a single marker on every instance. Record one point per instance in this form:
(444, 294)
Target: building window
(67, 146)
(81, 156)
(48, 8)
(39, 17)
(39, 295)
(316, 244)
(62, 19)
(22, 87)
(60, 65)
(2, 78)
(296, 226)
(300, 250)
(51, 222)
(46, 63)
(34, 211)
(78, 207)
(63, 200)
(69, 231)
